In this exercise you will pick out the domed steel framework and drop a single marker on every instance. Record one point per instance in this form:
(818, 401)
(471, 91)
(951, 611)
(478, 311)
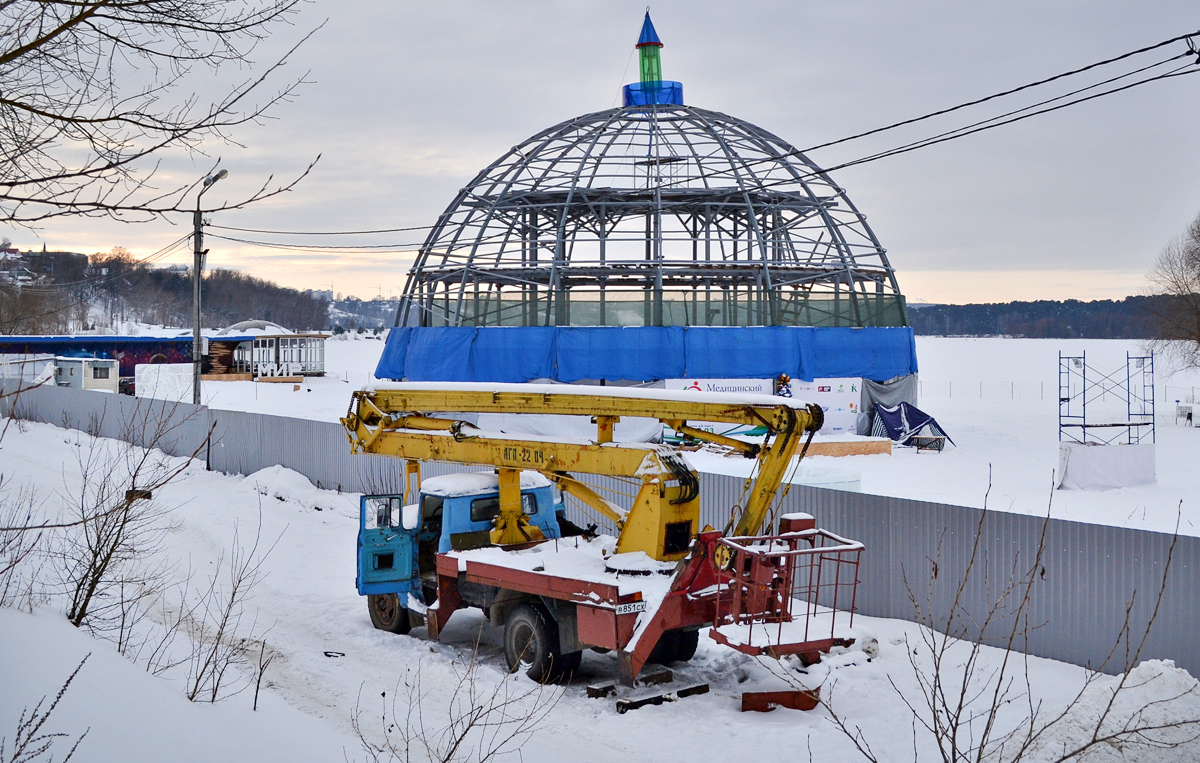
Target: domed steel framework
(659, 215)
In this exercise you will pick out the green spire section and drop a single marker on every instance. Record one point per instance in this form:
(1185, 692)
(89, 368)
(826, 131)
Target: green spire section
(651, 63)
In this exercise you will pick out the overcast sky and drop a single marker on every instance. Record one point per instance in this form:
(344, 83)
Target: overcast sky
(409, 100)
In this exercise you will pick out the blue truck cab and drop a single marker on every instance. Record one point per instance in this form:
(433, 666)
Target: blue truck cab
(398, 544)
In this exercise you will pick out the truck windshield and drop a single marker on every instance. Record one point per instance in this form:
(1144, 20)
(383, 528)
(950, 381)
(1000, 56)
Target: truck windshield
(431, 507)
(483, 509)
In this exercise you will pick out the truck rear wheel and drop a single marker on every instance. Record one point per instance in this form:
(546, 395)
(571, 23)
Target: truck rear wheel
(664, 651)
(675, 646)
(688, 641)
(387, 614)
(531, 644)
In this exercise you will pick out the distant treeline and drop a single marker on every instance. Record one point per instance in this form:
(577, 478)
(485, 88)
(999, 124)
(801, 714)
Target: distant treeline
(1129, 318)
(58, 292)
(126, 287)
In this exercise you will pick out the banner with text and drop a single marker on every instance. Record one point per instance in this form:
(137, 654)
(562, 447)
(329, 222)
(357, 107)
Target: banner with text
(753, 386)
(839, 398)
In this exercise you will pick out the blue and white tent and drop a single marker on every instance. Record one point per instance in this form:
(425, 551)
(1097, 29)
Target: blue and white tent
(902, 422)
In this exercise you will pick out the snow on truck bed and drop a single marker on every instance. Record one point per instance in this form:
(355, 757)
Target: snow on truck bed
(583, 559)
(592, 561)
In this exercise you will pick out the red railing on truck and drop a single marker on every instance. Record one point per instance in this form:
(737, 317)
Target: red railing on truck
(770, 575)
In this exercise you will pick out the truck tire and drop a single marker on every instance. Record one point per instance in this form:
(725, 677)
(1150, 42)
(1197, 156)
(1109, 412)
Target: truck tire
(531, 643)
(688, 641)
(674, 646)
(664, 651)
(387, 614)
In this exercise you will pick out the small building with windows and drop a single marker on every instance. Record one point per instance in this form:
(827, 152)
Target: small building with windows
(242, 352)
(102, 374)
(261, 349)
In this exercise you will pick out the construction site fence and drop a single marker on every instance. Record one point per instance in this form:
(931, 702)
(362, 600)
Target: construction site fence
(1088, 586)
(1027, 390)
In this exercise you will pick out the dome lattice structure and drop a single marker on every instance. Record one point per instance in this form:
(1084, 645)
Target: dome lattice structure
(652, 214)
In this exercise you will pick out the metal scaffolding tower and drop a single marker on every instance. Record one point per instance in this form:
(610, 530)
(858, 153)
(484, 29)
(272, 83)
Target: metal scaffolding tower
(1106, 409)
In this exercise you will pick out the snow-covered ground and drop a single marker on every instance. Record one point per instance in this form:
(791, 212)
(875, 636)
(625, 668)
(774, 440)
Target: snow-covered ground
(329, 660)
(997, 398)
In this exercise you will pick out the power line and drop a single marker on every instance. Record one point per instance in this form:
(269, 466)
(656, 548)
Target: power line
(965, 131)
(376, 248)
(1014, 90)
(320, 233)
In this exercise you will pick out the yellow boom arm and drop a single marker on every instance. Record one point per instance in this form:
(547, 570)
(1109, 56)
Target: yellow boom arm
(399, 420)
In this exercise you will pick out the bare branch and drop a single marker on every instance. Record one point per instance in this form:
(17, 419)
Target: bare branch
(95, 91)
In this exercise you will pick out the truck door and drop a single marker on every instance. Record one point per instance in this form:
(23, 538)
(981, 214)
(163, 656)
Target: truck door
(386, 540)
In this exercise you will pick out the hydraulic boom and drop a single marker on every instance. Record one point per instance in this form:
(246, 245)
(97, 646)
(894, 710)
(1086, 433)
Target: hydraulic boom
(416, 421)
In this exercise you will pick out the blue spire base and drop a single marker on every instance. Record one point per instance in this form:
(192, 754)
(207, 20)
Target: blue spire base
(664, 93)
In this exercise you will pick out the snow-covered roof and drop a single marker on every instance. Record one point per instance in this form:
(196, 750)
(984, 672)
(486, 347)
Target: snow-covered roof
(470, 483)
(255, 328)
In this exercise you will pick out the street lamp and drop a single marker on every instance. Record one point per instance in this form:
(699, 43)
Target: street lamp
(200, 251)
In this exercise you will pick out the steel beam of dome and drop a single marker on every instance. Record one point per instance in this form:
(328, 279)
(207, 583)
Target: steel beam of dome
(652, 215)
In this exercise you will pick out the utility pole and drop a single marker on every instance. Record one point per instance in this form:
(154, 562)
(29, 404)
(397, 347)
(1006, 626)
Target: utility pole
(197, 265)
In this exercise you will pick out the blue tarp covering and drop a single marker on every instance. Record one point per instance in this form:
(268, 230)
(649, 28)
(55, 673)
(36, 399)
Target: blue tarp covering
(395, 349)
(844, 352)
(438, 354)
(510, 354)
(756, 352)
(569, 354)
(591, 352)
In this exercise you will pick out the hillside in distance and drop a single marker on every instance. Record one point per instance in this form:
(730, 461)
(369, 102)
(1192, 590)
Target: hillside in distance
(63, 292)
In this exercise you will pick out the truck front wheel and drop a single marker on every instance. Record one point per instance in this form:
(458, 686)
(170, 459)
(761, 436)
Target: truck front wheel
(387, 614)
(531, 644)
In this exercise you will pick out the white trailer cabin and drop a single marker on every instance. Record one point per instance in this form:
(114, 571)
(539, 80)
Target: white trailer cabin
(100, 374)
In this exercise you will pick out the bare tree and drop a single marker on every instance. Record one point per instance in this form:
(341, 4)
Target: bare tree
(973, 705)
(18, 578)
(30, 742)
(1175, 320)
(480, 722)
(96, 90)
(106, 553)
(107, 559)
(220, 638)
(31, 310)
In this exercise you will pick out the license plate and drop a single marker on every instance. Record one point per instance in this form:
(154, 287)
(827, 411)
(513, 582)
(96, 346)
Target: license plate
(631, 608)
